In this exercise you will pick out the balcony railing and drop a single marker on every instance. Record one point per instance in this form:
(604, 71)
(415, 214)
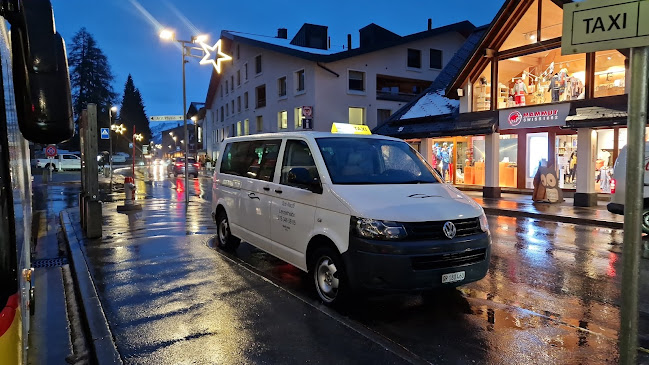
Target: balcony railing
(394, 96)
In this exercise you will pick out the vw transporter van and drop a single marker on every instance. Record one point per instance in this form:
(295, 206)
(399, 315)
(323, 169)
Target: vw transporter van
(357, 212)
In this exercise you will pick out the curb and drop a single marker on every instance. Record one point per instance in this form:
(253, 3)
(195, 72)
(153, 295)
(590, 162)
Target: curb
(101, 338)
(554, 218)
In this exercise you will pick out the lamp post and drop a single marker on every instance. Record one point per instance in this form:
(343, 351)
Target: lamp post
(217, 57)
(110, 142)
(119, 129)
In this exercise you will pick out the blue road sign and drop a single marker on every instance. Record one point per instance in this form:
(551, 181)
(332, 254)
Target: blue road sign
(104, 133)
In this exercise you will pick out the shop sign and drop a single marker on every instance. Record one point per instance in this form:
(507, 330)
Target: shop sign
(598, 25)
(552, 115)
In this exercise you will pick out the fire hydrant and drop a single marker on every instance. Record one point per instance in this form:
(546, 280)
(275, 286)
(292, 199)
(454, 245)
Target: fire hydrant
(129, 190)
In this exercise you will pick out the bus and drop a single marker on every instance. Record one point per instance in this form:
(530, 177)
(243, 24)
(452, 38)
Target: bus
(36, 108)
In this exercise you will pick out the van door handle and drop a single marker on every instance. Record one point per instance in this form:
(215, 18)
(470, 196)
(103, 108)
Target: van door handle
(266, 188)
(278, 191)
(253, 196)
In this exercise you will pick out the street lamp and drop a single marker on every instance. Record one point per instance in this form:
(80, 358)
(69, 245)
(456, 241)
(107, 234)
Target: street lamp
(212, 55)
(110, 142)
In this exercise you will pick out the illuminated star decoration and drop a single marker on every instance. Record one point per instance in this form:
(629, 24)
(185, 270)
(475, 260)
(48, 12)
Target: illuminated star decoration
(218, 57)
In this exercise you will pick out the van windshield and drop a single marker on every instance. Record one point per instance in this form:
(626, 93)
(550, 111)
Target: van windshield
(374, 161)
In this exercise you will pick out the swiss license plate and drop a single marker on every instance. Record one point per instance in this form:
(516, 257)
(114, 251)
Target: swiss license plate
(453, 277)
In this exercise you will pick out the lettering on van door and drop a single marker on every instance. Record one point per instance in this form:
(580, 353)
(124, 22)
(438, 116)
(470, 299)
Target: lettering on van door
(286, 215)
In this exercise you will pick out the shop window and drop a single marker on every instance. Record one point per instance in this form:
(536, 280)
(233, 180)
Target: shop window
(508, 160)
(482, 91)
(551, 20)
(443, 158)
(565, 148)
(282, 120)
(356, 116)
(525, 31)
(540, 78)
(609, 73)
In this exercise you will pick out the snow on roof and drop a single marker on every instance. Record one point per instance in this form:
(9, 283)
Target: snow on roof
(431, 104)
(282, 43)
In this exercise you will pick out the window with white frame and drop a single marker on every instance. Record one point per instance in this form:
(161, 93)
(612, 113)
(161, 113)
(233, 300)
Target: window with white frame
(298, 118)
(356, 115)
(356, 80)
(281, 87)
(258, 64)
(299, 81)
(282, 120)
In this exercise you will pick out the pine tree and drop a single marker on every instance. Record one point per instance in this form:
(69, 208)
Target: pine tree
(132, 112)
(91, 79)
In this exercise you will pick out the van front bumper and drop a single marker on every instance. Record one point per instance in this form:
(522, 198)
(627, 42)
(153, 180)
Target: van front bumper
(415, 265)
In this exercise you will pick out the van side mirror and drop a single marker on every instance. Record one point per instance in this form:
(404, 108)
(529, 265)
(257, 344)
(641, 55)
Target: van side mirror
(300, 177)
(40, 70)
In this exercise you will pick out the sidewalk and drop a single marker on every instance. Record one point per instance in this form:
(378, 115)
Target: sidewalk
(521, 205)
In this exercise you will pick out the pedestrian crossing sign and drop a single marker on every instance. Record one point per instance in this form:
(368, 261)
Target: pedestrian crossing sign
(104, 133)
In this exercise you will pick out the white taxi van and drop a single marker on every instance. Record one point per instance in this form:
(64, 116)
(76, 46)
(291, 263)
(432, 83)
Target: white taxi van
(358, 212)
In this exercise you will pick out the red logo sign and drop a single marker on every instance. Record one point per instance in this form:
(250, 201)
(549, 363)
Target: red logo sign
(515, 118)
(50, 151)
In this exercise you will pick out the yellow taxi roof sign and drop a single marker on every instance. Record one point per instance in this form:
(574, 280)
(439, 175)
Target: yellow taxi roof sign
(350, 128)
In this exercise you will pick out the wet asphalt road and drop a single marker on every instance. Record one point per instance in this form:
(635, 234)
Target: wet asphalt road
(551, 296)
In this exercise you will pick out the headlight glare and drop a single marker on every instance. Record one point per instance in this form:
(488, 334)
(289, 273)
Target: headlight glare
(376, 229)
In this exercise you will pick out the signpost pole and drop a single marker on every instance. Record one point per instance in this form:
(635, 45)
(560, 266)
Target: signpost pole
(633, 204)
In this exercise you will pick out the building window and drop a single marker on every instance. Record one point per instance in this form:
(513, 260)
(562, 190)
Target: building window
(226, 87)
(232, 106)
(382, 115)
(260, 123)
(281, 86)
(356, 116)
(282, 120)
(245, 100)
(238, 128)
(298, 118)
(436, 61)
(221, 90)
(609, 73)
(356, 80)
(222, 116)
(299, 78)
(232, 83)
(246, 127)
(414, 58)
(245, 71)
(238, 51)
(238, 77)
(227, 110)
(239, 104)
(260, 96)
(482, 91)
(258, 64)
(540, 78)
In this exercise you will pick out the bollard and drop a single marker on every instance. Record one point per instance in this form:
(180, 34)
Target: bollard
(129, 194)
(46, 176)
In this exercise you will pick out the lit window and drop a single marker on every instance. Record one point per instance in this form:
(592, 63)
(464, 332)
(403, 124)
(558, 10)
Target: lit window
(282, 120)
(356, 116)
(298, 118)
(609, 73)
(246, 127)
(260, 123)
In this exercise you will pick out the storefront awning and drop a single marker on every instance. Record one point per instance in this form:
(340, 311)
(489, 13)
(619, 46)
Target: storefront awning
(448, 125)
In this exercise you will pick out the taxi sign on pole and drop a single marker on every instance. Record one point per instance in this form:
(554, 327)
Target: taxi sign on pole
(598, 25)
(350, 128)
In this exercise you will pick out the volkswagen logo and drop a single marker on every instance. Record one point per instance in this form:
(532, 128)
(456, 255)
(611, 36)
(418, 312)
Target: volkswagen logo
(449, 229)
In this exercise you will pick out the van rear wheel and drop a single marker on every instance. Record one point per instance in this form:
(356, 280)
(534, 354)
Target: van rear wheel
(645, 220)
(225, 240)
(329, 275)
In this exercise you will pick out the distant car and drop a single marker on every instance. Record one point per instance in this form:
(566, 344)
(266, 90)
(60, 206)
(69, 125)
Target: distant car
(177, 167)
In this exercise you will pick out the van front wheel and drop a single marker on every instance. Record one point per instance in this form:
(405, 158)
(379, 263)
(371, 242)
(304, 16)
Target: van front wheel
(226, 241)
(329, 276)
(645, 220)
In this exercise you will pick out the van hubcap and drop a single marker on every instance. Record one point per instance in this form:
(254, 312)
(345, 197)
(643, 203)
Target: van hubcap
(223, 230)
(326, 279)
(645, 219)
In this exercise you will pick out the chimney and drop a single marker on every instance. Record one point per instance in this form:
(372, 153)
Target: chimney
(430, 23)
(282, 33)
(349, 41)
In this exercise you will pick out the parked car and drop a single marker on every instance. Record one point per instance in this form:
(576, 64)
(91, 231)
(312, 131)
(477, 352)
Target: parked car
(60, 162)
(618, 186)
(177, 167)
(357, 212)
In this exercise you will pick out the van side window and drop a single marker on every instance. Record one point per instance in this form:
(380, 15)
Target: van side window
(297, 154)
(254, 159)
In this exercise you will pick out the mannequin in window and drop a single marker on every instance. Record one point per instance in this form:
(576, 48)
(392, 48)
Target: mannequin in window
(520, 89)
(555, 87)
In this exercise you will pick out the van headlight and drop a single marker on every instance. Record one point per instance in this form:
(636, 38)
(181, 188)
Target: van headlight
(376, 229)
(484, 224)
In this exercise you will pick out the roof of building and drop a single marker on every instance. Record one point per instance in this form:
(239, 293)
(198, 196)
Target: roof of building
(285, 46)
